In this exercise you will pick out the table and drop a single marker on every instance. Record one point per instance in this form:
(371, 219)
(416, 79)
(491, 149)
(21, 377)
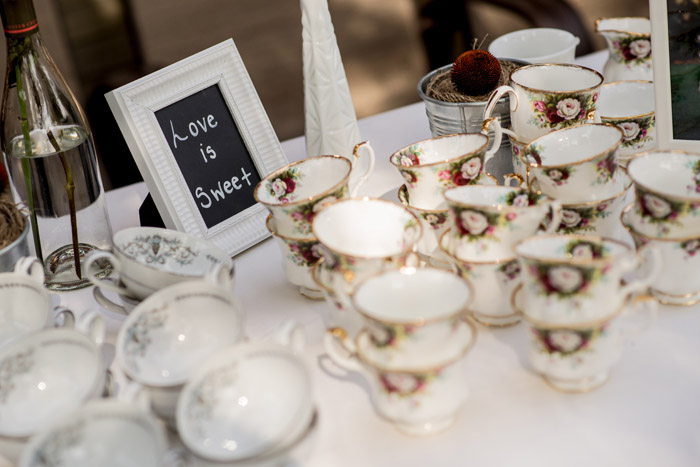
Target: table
(647, 414)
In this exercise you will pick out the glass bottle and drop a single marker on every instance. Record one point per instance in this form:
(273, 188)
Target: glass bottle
(50, 154)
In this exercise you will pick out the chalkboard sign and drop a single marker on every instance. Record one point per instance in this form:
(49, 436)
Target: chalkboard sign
(202, 141)
(210, 153)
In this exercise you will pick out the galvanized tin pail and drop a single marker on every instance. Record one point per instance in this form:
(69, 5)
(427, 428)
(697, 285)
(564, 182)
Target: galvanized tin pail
(446, 118)
(15, 250)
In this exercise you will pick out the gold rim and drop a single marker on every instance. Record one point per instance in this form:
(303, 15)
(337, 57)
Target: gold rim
(413, 371)
(607, 151)
(620, 31)
(418, 322)
(636, 233)
(652, 153)
(495, 325)
(402, 198)
(274, 233)
(618, 83)
(667, 301)
(317, 280)
(459, 260)
(554, 383)
(368, 199)
(570, 237)
(271, 177)
(452, 159)
(499, 208)
(562, 65)
(593, 203)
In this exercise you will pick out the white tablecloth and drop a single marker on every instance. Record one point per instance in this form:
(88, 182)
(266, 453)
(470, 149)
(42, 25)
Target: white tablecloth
(647, 414)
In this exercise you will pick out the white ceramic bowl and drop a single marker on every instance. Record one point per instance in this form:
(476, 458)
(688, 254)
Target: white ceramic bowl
(536, 45)
(248, 400)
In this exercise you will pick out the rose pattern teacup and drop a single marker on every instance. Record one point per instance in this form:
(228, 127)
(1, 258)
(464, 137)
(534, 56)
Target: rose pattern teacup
(629, 47)
(429, 167)
(490, 220)
(295, 193)
(577, 164)
(570, 278)
(548, 97)
(434, 221)
(667, 194)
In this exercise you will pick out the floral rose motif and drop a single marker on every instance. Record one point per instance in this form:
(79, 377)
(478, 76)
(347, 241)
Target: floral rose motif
(583, 250)
(639, 48)
(630, 130)
(568, 108)
(511, 270)
(409, 176)
(471, 168)
(405, 161)
(691, 247)
(401, 383)
(565, 279)
(570, 218)
(381, 336)
(540, 106)
(656, 206)
(278, 187)
(565, 341)
(521, 201)
(475, 223)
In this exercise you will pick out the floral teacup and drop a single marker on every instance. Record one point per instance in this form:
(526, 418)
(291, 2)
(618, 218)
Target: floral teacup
(447, 161)
(629, 46)
(577, 164)
(600, 218)
(410, 312)
(678, 282)
(493, 283)
(417, 399)
(667, 189)
(434, 221)
(516, 148)
(573, 278)
(494, 218)
(298, 258)
(548, 97)
(579, 356)
(629, 105)
(296, 192)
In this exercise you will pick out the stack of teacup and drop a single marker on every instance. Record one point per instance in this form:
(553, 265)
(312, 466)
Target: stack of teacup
(411, 346)
(433, 165)
(294, 195)
(665, 215)
(486, 222)
(573, 298)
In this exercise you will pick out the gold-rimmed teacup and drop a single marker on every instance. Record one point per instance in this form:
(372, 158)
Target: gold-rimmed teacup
(493, 282)
(678, 282)
(547, 97)
(434, 220)
(577, 164)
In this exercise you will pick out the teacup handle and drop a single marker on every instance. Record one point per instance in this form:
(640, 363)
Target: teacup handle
(290, 334)
(30, 266)
(220, 274)
(62, 317)
(510, 177)
(555, 210)
(497, 137)
(495, 96)
(370, 166)
(653, 256)
(335, 338)
(109, 283)
(646, 303)
(89, 323)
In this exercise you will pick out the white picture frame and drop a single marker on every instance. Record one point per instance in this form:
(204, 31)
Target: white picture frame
(677, 111)
(134, 106)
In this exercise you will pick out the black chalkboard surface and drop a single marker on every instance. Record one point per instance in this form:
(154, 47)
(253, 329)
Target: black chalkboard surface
(210, 154)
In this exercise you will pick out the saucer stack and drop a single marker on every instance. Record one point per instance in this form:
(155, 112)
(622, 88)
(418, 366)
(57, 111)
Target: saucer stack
(486, 222)
(578, 166)
(665, 215)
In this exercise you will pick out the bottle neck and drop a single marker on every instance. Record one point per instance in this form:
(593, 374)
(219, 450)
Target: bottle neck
(18, 18)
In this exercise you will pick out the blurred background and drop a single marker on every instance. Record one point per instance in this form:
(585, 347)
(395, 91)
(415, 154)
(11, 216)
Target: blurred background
(386, 46)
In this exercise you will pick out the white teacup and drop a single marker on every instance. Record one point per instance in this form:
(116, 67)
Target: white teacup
(433, 219)
(168, 336)
(490, 220)
(432, 165)
(577, 164)
(678, 282)
(579, 356)
(548, 97)
(108, 433)
(410, 312)
(536, 45)
(248, 400)
(299, 255)
(575, 278)
(629, 105)
(493, 282)
(45, 376)
(148, 259)
(417, 399)
(667, 194)
(296, 192)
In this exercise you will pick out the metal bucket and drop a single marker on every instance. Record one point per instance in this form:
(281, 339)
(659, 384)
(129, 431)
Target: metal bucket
(446, 118)
(15, 250)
